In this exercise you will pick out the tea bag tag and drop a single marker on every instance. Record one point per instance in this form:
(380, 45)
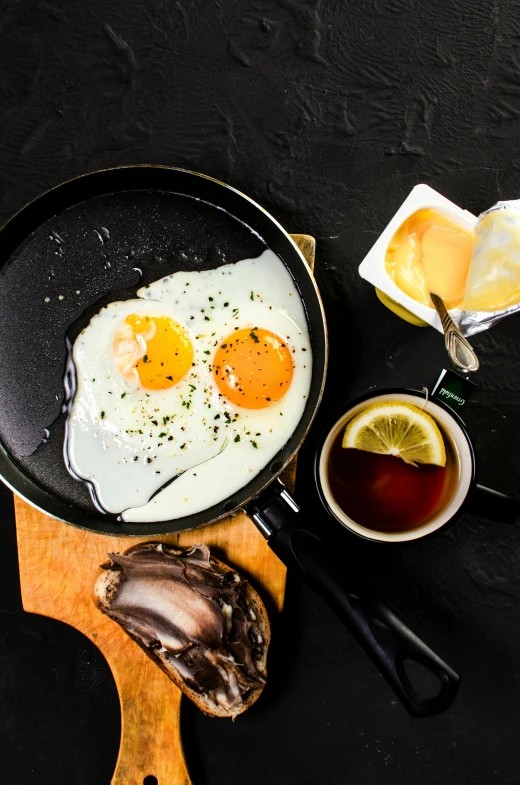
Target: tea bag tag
(453, 389)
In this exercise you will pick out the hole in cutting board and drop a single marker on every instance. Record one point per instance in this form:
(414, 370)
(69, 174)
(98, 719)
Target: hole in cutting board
(150, 780)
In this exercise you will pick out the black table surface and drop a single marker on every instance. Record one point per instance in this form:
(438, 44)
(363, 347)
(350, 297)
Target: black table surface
(327, 113)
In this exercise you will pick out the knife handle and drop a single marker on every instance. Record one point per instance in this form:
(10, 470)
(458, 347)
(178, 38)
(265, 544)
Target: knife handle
(383, 636)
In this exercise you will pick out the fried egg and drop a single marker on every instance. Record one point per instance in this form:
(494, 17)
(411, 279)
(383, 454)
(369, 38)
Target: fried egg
(185, 393)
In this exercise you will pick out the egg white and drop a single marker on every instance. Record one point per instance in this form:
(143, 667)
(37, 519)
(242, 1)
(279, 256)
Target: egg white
(223, 446)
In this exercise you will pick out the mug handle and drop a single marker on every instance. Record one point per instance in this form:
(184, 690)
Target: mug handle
(488, 503)
(383, 636)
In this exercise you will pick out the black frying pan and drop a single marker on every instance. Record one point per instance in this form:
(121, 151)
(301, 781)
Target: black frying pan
(97, 238)
(85, 241)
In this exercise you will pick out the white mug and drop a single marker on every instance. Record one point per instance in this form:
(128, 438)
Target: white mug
(461, 489)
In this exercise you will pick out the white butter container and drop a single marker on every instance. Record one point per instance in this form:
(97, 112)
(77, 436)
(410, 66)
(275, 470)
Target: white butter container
(372, 268)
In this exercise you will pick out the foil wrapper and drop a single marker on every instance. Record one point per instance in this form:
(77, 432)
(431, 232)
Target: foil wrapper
(493, 284)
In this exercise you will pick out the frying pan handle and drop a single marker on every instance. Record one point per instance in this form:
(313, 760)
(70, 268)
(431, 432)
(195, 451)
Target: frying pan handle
(494, 505)
(384, 637)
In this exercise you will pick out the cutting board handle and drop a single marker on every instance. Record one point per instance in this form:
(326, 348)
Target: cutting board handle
(150, 734)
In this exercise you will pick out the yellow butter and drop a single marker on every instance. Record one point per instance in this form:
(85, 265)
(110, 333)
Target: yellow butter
(430, 253)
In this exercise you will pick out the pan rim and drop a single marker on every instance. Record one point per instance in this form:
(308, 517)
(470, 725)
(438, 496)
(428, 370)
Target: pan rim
(171, 524)
(122, 167)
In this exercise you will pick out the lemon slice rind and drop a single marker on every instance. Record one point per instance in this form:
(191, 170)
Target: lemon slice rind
(397, 428)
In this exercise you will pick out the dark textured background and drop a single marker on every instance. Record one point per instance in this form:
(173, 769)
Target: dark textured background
(327, 113)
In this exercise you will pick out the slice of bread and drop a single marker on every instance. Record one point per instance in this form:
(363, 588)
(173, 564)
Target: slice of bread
(106, 591)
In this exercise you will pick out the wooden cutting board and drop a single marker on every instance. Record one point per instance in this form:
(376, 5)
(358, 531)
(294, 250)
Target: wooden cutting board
(58, 568)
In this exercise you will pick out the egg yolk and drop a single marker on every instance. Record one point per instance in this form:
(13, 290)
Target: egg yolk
(152, 351)
(430, 253)
(253, 368)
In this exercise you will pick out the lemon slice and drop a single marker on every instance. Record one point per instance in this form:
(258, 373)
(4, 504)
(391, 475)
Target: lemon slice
(397, 428)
